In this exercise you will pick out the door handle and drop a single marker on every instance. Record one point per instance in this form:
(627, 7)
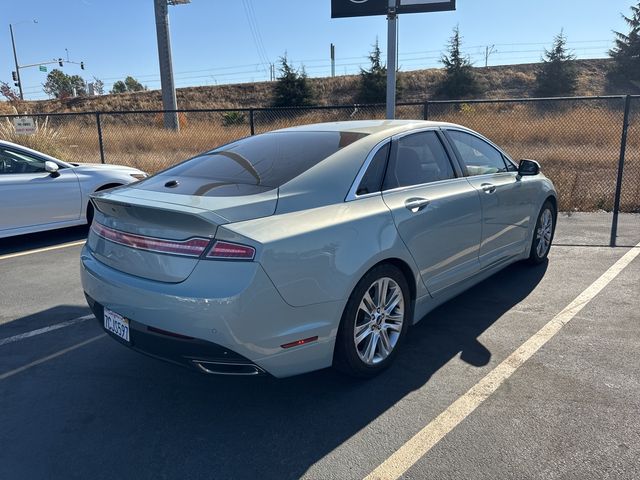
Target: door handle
(416, 204)
(488, 188)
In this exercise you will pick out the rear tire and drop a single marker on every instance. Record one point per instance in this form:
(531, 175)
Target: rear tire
(374, 323)
(543, 234)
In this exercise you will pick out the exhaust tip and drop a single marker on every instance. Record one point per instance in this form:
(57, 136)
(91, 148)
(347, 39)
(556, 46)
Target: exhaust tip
(221, 368)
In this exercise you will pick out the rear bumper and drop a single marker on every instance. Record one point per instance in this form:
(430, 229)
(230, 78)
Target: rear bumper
(193, 353)
(223, 307)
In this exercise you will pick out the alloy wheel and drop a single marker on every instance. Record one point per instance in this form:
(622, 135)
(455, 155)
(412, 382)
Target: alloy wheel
(544, 233)
(379, 321)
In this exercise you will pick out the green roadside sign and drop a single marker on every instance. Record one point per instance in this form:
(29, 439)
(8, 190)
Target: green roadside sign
(42, 68)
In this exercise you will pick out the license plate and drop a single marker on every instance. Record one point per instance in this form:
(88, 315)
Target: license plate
(116, 324)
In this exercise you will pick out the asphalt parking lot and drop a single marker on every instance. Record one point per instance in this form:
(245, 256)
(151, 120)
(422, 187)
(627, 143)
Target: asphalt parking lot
(75, 404)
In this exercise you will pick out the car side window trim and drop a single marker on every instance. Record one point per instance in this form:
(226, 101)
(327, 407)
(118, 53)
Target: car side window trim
(352, 195)
(506, 158)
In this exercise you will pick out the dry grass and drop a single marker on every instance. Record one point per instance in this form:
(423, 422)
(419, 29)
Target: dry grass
(499, 82)
(46, 139)
(576, 143)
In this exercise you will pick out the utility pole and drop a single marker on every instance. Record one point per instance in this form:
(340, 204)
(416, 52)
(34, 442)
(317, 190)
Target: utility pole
(392, 54)
(15, 59)
(169, 101)
(333, 60)
(487, 53)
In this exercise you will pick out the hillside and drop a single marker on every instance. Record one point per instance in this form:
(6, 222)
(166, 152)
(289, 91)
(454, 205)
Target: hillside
(501, 82)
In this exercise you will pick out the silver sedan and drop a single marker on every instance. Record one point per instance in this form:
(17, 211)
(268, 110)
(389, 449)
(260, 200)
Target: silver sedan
(309, 247)
(39, 192)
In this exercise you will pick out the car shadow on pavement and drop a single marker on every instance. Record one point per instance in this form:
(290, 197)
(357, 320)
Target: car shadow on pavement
(23, 243)
(121, 415)
(44, 318)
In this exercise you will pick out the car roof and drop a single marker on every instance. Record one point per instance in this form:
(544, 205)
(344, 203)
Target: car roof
(367, 126)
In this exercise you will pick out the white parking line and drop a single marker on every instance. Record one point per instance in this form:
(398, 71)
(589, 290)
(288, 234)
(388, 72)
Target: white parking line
(40, 331)
(413, 450)
(40, 250)
(50, 357)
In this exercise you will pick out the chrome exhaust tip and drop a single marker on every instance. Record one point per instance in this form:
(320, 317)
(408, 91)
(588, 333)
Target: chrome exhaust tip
(222, 368)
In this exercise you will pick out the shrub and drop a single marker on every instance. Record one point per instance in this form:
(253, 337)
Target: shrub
(233, 118)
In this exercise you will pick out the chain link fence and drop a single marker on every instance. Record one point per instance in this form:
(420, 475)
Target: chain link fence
(577, 140)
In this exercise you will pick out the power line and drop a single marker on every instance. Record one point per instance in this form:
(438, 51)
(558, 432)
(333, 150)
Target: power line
(255, 33)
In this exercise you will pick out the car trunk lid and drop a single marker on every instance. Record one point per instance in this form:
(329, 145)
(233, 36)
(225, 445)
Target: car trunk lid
(161, 236)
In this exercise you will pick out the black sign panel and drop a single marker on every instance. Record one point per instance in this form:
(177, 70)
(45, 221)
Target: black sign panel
(363, 8)
(358, 8)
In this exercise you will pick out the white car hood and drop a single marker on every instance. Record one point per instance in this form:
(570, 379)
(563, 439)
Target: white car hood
(85, 167)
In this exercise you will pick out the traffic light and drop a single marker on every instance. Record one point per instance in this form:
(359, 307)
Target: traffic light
(60, 61)
(82, 65)
(15, 76)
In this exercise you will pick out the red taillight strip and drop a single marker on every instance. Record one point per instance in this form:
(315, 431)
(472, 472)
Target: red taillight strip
(194, 247)
(231, 251)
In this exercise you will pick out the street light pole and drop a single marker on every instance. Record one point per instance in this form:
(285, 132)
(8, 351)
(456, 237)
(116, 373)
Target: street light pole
(15, 59)
(169, 100)
(392, 54)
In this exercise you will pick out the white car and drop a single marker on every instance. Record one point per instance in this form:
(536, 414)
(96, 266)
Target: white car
(39, 192)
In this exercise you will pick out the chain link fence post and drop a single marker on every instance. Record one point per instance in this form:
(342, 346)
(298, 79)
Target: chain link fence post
(252, 121)
(100, 140)
(623, 149)
(425, 110)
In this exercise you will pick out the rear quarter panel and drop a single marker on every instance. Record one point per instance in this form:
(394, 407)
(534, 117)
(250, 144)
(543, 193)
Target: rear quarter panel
(319, 255)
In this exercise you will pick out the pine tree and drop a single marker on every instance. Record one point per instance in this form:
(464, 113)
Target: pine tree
(373, 81)
(460, 80)
(292, 88)
(558, 74)
(626, 52)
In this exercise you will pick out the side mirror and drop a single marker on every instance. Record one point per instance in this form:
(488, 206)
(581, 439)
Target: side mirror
(52, 168)
(528, 168)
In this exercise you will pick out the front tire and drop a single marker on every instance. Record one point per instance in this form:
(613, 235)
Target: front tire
(374, 323)
(543, 234)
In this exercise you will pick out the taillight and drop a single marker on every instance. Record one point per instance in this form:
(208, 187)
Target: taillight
(193, 247)
(231, 251)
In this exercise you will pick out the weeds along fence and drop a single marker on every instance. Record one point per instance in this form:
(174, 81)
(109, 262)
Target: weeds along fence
(582, 143)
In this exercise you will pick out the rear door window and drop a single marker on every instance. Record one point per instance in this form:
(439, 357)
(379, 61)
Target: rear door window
(372, 179)
(417, 159)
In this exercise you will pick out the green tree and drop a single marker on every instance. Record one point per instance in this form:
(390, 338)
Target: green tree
(460, 79)
(133, 85)
(60, 85)
(558, 74)
(119, 87)
(373, 81)
(78, 85)
(129, 84)
(292, 88)
(626, 52)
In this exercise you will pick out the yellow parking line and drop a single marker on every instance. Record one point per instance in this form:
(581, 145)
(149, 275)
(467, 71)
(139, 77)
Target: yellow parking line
(50, 357)
(418, 446)
(40, 250)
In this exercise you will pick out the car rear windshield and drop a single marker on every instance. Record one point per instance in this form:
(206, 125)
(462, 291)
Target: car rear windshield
(258, 163)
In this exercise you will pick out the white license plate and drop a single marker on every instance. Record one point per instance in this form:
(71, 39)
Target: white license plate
(116, 324)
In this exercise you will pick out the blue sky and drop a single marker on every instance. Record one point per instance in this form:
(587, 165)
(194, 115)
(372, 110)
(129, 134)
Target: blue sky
(213, 43)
